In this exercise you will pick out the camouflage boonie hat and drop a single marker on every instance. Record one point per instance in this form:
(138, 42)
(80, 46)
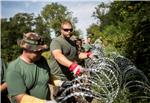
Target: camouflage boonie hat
(33, 42)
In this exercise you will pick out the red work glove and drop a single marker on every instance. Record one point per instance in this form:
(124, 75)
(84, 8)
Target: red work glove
(76, 69)
(89, 54)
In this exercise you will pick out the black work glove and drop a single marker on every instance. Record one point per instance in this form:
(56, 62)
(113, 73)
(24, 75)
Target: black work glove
(66, 84)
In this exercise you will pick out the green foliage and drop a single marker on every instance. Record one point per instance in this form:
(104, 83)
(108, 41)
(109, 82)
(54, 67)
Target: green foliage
(22, 22)
(94, 29)
(122, 97)
(11, 30)
(47, 56)
(53, 15)
(125, 28)
(117, 36)
(100, 14)
(44, 24)
(138, 50)
(41, 28)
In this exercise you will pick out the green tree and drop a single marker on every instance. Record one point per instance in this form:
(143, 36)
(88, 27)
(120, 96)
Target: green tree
(94, 29)
(126, 28)
(53, 14)
(45, 24)
(11, 30)
(40, 27)
(23, 22)
(100, 14)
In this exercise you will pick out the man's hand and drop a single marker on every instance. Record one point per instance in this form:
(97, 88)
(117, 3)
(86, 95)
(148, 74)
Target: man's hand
(66, 84)
(89, 54)
(76, 69)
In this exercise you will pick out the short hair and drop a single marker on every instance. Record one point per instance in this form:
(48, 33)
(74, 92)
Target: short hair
(66, 22)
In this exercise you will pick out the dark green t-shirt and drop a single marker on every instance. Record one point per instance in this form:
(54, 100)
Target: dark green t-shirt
(30, 78)
(68, 49)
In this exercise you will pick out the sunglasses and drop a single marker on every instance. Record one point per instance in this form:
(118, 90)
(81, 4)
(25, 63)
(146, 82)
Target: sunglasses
(66, 30)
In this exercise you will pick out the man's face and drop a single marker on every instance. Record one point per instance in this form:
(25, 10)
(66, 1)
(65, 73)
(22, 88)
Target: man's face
(34, 56)
(78, 42)
(89, 40)
(66, 30)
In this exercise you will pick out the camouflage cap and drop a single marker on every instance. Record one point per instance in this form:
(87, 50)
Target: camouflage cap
(33, 42)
